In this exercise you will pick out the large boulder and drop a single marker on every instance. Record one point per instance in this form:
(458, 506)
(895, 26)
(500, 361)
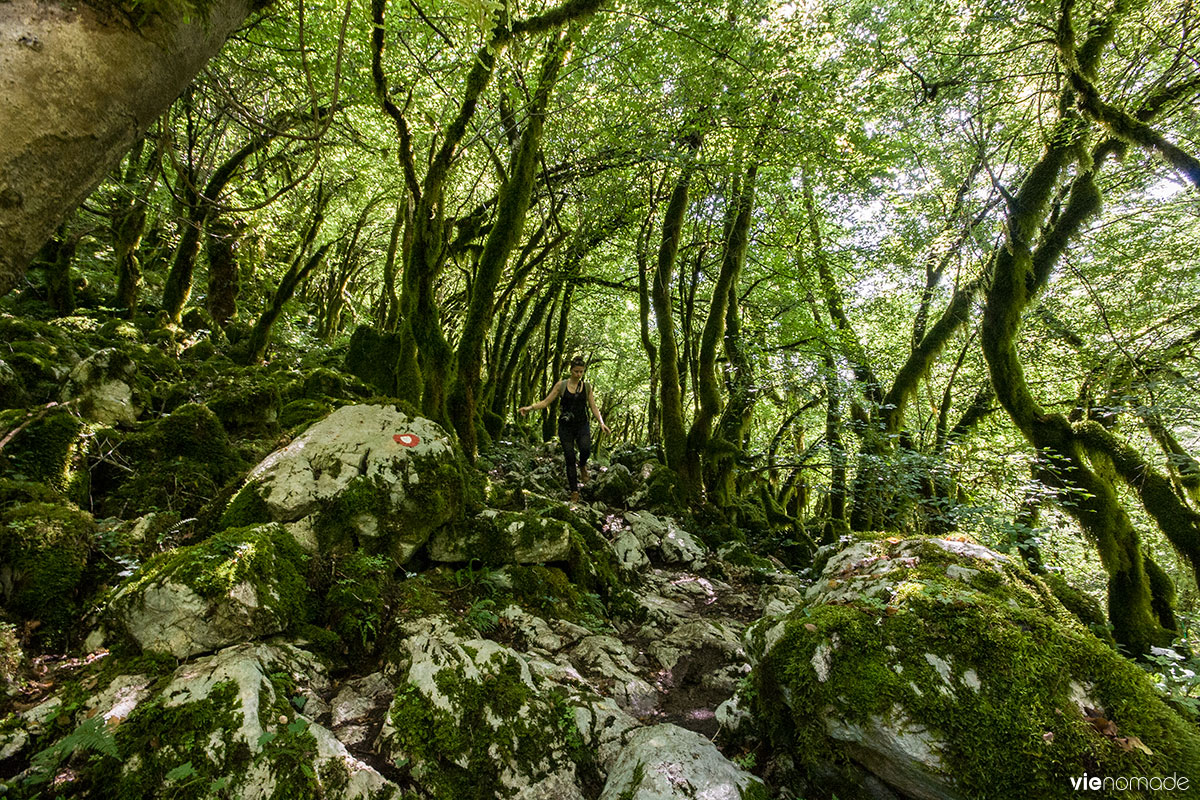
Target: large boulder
(947, 671)
(239, 585)
(232, 724)
(366, 477)
(44, 550)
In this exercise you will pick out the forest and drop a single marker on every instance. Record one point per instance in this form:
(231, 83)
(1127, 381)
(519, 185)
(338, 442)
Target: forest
(891, 307)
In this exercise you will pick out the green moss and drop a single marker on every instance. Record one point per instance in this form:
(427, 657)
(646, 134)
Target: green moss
(547, 592)
(177, 463)
(418, 597)
(1086, 608)
(373, 358)
(266, 556)
(498, 721)
(46, 546)
(247, 403)
(354, 607)
(246, 508)
(1019, 733)
(365, 515)
(302, 413)
(157, 738)
(742, 556)
(50, 447)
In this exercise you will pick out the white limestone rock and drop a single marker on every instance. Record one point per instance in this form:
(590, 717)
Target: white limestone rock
(365, 477)
(237, 586)
(666, 762)
(664, 541)
(102, 385)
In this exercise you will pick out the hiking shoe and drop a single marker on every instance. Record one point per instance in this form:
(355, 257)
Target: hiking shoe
(583, 476)
(574, 497)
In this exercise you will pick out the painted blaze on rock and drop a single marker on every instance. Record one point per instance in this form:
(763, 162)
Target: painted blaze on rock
(366, 477)
(949, 671)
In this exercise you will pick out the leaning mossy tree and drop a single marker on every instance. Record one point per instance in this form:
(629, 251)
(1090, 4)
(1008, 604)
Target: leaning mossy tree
(1082, 461)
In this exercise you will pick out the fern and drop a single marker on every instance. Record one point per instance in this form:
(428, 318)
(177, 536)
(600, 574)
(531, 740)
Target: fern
(93, 735)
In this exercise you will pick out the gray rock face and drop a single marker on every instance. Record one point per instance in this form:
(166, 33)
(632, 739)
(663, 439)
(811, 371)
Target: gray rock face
(664, 541)
(102, 384)
(250, 580)
(508, 536)
(665, 762)
(366, 476)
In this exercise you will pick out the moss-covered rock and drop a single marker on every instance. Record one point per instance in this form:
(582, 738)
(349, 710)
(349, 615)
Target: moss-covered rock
(47, 446)
(496, 537)
(177, 463)
(197, 319)
(614, 485)
(248, 403)
(373, 359)
(303, 412)
(40, 355)
(44, 550)
(239, 585)
(226, 725)
(12, 388)
(102, 387)
(367, 477)
(948, 670)
(471, 722)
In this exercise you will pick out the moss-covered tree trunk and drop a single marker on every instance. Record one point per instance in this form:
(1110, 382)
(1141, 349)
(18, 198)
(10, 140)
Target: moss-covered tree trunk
(202, 209)
(71, 107)
(224, 279)
(1139, 603)
(388, 311)
(426, 360)
(670, 390)
(128, 224)
(723, 326)
(653, 428)
(511, 360)
(511, 207)
(299, 271)
(56, 258)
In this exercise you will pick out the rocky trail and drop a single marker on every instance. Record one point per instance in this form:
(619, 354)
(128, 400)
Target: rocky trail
(369, 617)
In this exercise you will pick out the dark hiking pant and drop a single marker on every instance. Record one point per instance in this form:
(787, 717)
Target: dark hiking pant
(576, 433)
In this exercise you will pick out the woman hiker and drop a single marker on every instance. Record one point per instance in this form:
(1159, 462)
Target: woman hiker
(573, 427)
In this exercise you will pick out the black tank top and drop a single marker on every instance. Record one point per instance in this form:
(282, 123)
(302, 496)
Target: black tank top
(574, 406)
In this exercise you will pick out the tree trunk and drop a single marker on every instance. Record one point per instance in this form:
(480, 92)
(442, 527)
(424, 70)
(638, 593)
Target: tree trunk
(129, 223)
(670, 390)
(78, 87)
(224, 282)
